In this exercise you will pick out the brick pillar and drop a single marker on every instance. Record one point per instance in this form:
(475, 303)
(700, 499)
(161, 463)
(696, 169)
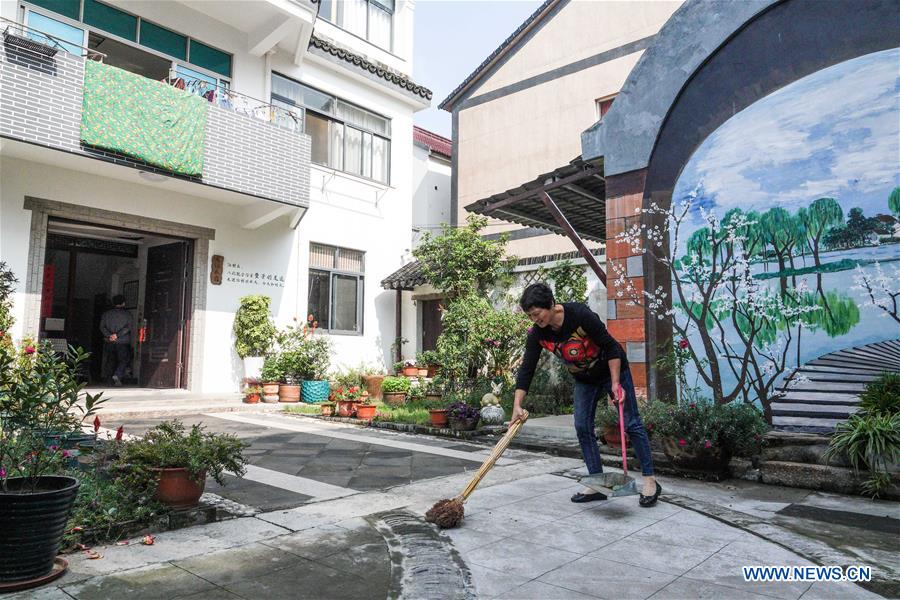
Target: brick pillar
(624, 195)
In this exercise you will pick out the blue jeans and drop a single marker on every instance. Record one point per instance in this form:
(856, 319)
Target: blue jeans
(586, 397)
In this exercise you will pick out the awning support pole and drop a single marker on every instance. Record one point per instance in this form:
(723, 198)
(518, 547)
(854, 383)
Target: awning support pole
(570, 231)
(399, 355)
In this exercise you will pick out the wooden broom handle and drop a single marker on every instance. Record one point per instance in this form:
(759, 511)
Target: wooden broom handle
(494, 456)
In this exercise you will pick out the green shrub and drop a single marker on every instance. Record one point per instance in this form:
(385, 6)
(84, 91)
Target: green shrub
(254, 331)
(7, 285)
(272, 371)
(168, 446)
(395, 385)
(735, 428)
(870, 438)
(882, 395)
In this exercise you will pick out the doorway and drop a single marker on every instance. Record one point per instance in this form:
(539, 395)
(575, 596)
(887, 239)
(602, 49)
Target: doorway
(86, 266)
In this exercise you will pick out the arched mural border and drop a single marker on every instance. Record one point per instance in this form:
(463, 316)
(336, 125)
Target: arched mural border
(746, 68)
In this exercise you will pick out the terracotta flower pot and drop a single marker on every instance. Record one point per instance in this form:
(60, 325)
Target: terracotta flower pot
(438, 417)
(373, 386)
(347, 408)
(365, 411)
(395, 398)
(327, 409)
(251, 398)
(288, 393)
(612, 437)
(411, 371)
(270, 389)
(433, 370)
(176, 488)
(423, 372)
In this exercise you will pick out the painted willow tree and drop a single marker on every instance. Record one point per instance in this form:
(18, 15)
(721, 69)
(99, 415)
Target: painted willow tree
(822, 215)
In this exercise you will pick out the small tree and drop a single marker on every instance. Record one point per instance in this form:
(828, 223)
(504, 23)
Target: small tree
(568, 280)
(7, 284)
(254, 331)
(459, 261)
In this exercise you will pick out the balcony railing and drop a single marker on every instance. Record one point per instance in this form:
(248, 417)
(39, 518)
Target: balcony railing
(40, 43)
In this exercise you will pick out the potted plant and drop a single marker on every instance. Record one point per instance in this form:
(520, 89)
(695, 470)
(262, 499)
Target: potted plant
(372, 378)
(252, 394)
(394, 390)
(254, 333)
(431, 359)
(607, 421)
(41, 394)
(308, 360)
(700, 437)
(462, 416)
(327, 409)
(181, 460)
(346, 399)
(421, 365)
(291, 363)
(365, 410)
(408, 368)
(434, 391)
(269, 377)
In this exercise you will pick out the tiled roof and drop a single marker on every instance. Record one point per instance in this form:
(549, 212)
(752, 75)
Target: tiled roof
(433, 141)
(502, 48)
(405, 278)
(367, 65)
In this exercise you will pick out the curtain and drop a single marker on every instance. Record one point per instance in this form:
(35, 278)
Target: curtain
(352, 16)
(379, 27)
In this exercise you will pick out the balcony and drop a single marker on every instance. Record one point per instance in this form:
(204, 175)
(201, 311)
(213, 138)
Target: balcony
(250, 148)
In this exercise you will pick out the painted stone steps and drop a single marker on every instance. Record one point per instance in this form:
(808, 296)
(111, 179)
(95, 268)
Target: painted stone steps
(834, 382)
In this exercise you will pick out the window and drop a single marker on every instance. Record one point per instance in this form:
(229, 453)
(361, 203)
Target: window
(336, 277)
(344, 136)
(369, 19)
(603, 106)
(130, 31)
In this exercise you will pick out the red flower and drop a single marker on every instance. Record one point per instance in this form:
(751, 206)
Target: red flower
(96, 424)
(681, 442)
(119, 432)
(693, 405)
(310, 318)
(708, 444)
(29, 350)
(683, 344)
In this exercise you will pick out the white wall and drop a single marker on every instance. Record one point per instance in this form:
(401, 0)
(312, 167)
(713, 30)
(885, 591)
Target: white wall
(431, 192)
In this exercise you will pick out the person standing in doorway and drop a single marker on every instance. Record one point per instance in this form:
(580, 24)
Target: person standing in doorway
(577, 336)
(115, 325)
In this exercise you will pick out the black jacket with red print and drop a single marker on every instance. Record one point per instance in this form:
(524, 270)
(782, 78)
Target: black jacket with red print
(582, 343)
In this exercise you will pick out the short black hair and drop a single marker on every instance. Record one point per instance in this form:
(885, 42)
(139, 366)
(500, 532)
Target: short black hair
(537, 295)
(118, 299)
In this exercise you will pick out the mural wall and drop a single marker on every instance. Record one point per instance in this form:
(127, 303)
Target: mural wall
(784, 232)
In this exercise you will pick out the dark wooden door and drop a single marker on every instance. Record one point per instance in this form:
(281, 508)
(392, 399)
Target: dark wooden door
(431, 323)
(164, 312)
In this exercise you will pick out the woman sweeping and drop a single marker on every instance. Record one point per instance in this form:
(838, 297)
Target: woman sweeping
(575, 334)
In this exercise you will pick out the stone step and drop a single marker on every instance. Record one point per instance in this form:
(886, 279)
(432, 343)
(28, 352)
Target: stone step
(830, 411)
(839, 376)
(827, 386)
(847, 365)
(800, 423)
(820, 397)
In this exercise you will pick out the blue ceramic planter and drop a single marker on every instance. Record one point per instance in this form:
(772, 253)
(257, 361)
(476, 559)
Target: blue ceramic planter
(314, 392)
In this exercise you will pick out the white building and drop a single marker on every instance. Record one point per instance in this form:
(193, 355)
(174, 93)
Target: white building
(312, 207)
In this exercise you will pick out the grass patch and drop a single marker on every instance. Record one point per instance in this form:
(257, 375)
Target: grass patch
(302, 408)
(409, 413)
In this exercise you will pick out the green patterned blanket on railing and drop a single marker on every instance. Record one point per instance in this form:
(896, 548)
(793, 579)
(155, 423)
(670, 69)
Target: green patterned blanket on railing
(146, 119)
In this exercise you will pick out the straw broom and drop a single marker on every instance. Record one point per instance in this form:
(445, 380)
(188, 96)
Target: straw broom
(448, 513)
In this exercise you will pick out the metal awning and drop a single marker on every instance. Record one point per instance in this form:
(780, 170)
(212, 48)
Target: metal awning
(570, 201)
(578, 189)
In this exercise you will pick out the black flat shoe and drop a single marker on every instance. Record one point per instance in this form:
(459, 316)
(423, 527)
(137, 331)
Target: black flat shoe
(648, 501)
(579, 497)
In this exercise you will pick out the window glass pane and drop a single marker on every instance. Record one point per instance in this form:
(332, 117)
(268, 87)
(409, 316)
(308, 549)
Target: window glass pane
(378, 124)
(160, 38)
(66, 8)
(326, 9)
(379, 27)
(345, 303)
(72, 37)
(110, 19)
(210, 58)
(321, 255)
(367, 155)
(353, 152)
(301, 95)
(319, 296)
(317, 129)
(380, 152)
(336, 149)
(130, 58)
(352, 16)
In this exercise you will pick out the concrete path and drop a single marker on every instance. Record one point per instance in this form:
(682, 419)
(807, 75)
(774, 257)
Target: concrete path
(522, 537)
